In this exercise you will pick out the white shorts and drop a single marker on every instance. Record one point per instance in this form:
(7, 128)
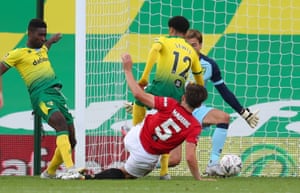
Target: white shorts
(139, 162)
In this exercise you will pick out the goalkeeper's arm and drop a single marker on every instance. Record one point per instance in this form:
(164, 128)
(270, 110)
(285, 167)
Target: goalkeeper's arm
(230, 98)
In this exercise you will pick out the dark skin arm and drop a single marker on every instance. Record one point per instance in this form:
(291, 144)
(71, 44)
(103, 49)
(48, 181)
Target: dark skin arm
(3, 69)
(53, 39)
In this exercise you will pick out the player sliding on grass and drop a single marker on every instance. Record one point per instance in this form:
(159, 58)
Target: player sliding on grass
(208, 116)
(159, 133)
(44, 88)
(174, 59)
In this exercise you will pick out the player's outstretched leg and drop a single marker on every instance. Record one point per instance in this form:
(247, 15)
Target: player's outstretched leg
(50, 172)
(138, 114)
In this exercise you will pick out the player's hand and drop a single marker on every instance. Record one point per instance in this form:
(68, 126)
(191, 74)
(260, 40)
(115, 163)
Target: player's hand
(127, 62)
(1, 100)
(72, 138)
(128, 107)
(251, 118)
(73, 142)
(53, 39)
(56, 37)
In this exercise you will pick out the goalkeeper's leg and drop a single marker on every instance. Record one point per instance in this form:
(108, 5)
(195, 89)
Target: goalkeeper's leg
(218, 141)
(138, 114)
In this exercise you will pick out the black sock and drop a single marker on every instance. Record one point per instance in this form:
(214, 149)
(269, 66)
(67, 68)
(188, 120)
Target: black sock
(112, 173)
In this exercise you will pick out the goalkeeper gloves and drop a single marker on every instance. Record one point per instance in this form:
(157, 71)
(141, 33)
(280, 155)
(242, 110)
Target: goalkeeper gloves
(251, 118)
(128, 107)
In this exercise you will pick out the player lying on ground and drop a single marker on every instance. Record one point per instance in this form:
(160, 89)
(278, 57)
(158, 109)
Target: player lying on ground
(159, 133)
(173, 58)
(208, 116)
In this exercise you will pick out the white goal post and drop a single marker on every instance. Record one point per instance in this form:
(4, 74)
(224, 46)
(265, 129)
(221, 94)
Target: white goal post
(80, 81)
(256, 45)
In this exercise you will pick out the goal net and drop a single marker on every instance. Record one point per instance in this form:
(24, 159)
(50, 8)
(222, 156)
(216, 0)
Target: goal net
(257, 47)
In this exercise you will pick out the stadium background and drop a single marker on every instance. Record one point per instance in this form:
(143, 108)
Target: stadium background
(16, 122)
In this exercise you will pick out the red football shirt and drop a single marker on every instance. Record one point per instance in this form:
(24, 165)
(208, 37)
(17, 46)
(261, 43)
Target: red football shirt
(169, 127)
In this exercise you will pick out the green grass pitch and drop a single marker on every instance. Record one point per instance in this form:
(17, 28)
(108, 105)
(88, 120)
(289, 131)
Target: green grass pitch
(33, 184)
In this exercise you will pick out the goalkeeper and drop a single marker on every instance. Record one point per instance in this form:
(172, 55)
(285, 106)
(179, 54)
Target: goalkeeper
(209, 116)
(174, 59)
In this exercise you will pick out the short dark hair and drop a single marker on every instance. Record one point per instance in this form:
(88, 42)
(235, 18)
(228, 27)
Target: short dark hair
(36, 23)
(179, 23)
(195, 95)
(192, 33)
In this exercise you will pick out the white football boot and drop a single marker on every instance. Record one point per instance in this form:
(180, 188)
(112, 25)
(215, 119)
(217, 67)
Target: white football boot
(214, 170)
(45, 175)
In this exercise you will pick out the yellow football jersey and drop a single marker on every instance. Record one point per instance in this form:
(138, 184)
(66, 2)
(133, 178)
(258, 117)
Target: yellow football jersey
(32, 64)
(175, 59)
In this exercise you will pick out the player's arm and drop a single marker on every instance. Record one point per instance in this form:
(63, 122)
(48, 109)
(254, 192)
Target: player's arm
(230, 98)
(192, 160)
(199, 79)
(197, 71)
(152, 57)
(53, 39)
(3, 69)
(137, 91)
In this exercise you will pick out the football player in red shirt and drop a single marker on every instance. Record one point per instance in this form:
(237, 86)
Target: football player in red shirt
(159, 133)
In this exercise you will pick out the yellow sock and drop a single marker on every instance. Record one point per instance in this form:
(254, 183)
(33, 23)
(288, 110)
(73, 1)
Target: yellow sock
(64, 146)
(138, 114)
(55, 162)
(164, 162)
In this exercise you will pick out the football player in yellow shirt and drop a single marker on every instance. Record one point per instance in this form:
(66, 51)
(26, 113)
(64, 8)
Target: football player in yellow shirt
(33, 64)
(209, 116)
(174, 58)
